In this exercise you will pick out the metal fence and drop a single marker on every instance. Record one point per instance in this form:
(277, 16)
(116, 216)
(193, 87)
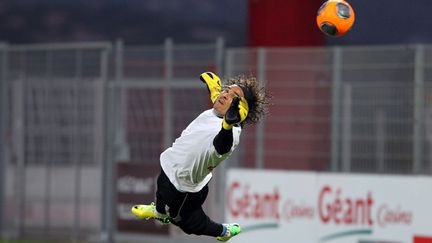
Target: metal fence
(351, 109)
(70, 113)
(52, 138)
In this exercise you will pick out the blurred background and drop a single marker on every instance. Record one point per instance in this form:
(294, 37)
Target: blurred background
(239, 22)
(93, 91)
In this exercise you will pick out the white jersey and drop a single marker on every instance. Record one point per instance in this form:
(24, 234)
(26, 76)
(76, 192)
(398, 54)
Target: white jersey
(191, 158)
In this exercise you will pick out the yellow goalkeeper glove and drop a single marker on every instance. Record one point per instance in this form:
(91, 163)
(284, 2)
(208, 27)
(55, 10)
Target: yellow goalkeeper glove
(213, 83)
(236, 113)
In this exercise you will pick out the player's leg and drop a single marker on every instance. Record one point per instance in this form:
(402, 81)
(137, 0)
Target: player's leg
(198, 223)
(184, 210)
(169, 200)
(193, 219)
(151, 211)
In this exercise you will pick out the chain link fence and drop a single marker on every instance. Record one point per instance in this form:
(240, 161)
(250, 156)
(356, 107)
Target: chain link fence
(53, 143)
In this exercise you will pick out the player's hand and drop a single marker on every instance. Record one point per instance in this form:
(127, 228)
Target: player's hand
(213, 83)
(236, 113)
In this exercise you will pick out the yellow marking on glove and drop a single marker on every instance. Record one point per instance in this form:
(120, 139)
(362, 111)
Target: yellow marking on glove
(213, 83)
(243, 110)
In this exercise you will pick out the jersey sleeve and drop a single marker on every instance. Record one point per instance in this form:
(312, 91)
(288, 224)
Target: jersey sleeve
(223, 141)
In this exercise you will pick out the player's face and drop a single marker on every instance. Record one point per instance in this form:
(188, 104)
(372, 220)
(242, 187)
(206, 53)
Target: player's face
(225, 98)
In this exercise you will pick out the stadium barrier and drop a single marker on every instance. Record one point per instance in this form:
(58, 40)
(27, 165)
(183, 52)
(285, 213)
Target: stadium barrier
(327, 207)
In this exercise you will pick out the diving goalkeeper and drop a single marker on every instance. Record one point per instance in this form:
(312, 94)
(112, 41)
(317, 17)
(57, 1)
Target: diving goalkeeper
(182, 185)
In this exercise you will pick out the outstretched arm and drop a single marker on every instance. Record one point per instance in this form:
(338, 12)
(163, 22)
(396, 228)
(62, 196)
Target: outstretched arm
(223, 141)
(237, 113)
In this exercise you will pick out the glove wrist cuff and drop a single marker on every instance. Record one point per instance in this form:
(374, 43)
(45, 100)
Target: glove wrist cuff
(226, 126)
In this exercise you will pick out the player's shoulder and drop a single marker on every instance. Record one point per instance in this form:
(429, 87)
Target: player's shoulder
(206, 118)
(209, 114)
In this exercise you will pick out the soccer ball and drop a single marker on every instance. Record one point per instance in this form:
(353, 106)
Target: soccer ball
(335, 18)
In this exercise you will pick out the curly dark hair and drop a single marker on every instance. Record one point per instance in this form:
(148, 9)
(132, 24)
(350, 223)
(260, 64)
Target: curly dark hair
(258, 99)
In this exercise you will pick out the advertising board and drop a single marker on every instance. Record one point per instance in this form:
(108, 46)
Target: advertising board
(323, 207)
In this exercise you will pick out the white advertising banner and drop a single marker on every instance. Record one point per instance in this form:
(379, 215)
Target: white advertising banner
(303, 207)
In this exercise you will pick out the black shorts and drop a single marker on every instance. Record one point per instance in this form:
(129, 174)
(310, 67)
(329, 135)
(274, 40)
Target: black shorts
(185, 208)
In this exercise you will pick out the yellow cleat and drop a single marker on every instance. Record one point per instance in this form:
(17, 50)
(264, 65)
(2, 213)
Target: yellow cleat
(149, 212)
